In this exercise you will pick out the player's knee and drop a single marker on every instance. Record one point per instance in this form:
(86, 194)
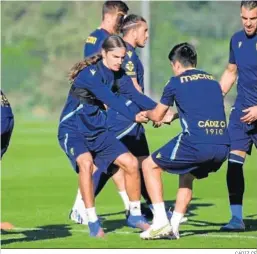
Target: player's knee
(236, 157)
(131, 164)
(239, 153)
(85, 164)
(146, 164)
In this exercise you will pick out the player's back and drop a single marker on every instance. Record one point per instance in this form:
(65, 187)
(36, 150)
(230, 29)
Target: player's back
(200, 105)
(94, 42)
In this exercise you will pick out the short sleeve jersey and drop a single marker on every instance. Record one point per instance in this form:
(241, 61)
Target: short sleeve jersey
(133, 65)
(243, 53)
(199, 101)
(94, 42)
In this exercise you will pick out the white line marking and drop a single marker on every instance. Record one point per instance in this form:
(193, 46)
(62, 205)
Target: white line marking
(233, 235)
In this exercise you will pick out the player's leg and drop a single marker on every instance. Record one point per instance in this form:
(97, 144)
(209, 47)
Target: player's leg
(129, 164)
(236, 187)
(119, 180)
(241, 144)
(110, 150)
(85, 168)
(137, 144)
(82, 162)
(146, 210)
(161, 227)
(184, 196)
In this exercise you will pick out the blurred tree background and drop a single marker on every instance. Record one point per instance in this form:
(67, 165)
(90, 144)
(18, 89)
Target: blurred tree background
(42, 40)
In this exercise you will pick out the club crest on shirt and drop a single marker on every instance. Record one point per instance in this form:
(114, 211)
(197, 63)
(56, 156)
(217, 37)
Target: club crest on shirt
(129, 53)
(130, 66)
(239, 44)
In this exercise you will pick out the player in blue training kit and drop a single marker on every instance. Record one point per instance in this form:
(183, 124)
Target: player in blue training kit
(129, 133)
(200, 149)
(7, 123)
(90, 92)
(113, 13)
(132, 135)
(112, 16)
(243, 118)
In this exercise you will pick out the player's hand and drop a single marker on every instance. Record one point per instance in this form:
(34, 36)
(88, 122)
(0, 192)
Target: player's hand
(169, 117)
(251, 115)
(157, 124)
(141, 117)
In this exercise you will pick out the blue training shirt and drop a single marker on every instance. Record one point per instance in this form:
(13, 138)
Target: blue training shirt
(94, 42)
(199, 101)
(133, 65)
(90, 119)
(6, 110)
(136, 102)
(243, 53)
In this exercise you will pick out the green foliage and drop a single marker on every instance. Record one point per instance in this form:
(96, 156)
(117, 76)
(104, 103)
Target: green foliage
(42, 40)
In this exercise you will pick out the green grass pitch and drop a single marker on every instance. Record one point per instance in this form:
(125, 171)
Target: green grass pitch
(39, 187)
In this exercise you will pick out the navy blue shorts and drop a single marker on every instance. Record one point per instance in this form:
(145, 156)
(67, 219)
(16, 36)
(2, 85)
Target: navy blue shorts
(73, 145)
(242, 135)
(105, 149)
(180, 157)
(6, 133)
(136, 142)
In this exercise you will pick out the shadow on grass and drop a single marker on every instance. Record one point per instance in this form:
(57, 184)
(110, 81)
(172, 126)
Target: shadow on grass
(250, 226)
(37, 234)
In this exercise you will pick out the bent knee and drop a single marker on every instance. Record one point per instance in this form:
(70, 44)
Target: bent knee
(131, 164)
(238, 153)
(85, 163)
(148, 163)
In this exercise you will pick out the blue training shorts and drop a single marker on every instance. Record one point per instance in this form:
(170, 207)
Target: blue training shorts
(180, 157)
(105, 149)
(136, 141)
(242, 135)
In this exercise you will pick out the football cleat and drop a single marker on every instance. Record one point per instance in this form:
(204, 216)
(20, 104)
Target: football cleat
(138, 222)
(95, 229)
(234, 225)
(154, 232)
(77, 217)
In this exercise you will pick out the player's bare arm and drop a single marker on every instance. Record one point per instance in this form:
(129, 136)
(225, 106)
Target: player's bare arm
(157, 114)
(136, 85)
(228, 78)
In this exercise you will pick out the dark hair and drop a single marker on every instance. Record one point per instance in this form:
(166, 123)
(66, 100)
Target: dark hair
(112, 42)
(131, 22)
(249, 4)
(184, 53)
(109, 44)
(112, 6)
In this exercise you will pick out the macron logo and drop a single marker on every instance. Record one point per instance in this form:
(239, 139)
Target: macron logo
(93, 72)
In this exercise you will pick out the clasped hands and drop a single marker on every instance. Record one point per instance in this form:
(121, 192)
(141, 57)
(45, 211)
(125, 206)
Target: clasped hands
(170, 116)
